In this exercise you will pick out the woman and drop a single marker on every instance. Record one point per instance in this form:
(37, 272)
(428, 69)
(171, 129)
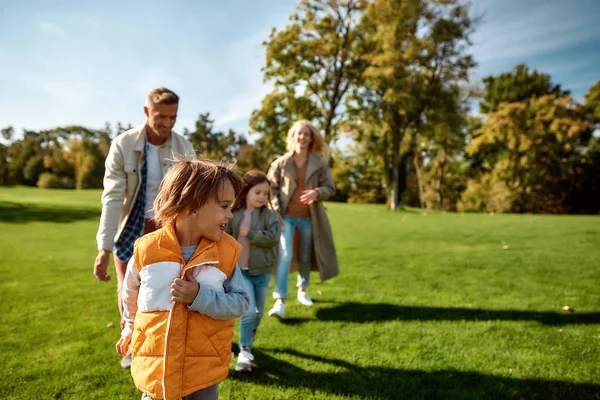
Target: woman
(300, 181)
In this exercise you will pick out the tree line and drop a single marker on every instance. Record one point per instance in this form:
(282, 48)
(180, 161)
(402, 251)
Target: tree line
(393, 81)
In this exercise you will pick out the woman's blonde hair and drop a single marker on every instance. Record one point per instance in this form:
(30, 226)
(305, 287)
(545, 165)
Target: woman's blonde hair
(317, 144)
(190, 184)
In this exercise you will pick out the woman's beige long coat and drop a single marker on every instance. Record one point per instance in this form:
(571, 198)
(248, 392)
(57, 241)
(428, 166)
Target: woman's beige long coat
(282, 175)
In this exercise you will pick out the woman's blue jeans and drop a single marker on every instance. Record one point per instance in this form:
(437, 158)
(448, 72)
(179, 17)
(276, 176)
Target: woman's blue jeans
(286, 248)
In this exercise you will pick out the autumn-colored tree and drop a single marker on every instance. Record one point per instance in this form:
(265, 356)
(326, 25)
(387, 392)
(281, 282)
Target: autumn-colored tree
(537, 143)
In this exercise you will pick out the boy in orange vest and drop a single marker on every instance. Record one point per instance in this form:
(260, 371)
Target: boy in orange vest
(183, 288)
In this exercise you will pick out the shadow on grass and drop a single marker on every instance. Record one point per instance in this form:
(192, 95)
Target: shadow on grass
(358, 312)
(295, 321)
(26, 212)
(391, 383)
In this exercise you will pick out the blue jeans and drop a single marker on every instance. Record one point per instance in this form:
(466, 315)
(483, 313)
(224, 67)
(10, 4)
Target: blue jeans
(258, 288)
(286, 249)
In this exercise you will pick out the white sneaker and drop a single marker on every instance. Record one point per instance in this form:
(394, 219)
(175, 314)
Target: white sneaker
(244, 361)
(304, 299)
(278, 310)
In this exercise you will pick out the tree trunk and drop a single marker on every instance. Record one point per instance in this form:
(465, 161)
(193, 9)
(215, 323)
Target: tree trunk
(396, 190)
(422, 203)
(440, 177)
(396, 162)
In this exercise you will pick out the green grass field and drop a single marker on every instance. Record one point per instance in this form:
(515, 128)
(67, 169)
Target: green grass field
(427, 306)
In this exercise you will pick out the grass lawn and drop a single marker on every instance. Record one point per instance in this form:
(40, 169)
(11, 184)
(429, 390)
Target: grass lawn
(427, 306)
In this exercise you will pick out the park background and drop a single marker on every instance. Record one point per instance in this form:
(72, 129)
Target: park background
(476, 123)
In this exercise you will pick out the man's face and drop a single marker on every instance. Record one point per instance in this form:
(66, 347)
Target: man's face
(161, 118)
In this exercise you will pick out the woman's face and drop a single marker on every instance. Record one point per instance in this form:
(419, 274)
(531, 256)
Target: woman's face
(302, 139)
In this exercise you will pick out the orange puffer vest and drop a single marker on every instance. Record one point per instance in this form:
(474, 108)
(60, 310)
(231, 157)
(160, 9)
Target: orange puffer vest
(176, 351)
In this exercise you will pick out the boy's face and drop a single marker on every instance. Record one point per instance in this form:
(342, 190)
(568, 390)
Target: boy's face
(214, 216)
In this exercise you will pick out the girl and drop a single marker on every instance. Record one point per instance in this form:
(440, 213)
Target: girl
(257, 228)
(182, 288)
(300, 181)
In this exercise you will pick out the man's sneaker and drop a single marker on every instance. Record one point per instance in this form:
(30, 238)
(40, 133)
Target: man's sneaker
(304, 299)
(278, 310)
(244, 361)
(126, 361)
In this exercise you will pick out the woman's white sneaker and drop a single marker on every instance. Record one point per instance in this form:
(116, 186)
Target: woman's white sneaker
(304, 299)
(278, 310)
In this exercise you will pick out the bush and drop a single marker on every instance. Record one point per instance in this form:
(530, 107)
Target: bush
(487, 194)
(33, 169)
(48, 180)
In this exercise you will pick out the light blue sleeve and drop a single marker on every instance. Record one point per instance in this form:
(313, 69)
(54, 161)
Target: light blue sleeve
(229, 304)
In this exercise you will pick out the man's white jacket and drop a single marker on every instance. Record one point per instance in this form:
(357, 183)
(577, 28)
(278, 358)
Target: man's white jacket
(122, 178)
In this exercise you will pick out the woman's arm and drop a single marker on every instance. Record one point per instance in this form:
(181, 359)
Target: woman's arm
(325, 185)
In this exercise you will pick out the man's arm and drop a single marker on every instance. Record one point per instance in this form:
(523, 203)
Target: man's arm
(115, 181)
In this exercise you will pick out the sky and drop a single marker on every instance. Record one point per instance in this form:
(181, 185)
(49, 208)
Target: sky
(89, 62)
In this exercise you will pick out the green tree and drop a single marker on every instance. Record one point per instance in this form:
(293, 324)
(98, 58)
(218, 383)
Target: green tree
(34, 167)
(592, 103)
(537, 144)
(7, 133)
(416, 52)
(438, 157)
(216, 145)
(312, 63)
(518, 85)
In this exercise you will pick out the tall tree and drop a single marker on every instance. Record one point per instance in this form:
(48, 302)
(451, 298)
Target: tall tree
(417, 52)
(312, 63)
(518, 85)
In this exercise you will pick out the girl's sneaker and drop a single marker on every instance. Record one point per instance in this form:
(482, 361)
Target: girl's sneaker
(244, 361)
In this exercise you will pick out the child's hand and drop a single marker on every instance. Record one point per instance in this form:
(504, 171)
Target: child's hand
(122, 345)
(244, 230)
(185, 291)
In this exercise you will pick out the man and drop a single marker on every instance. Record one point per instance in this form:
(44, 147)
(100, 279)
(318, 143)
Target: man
(136, 162)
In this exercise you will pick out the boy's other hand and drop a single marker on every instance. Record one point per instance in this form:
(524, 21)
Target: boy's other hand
(122, 345)
(185, 291)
